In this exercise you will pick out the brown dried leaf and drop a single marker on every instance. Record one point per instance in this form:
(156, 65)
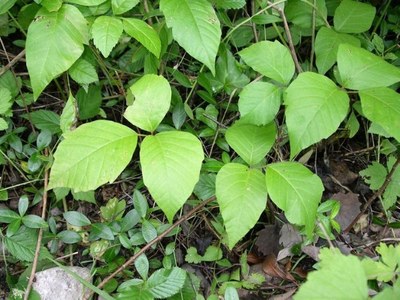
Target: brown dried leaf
(268, 240)
(349, 208)
(271, 267)
(289, 236)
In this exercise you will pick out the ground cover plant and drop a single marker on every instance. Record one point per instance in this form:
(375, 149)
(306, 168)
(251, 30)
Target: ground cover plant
(201, 149)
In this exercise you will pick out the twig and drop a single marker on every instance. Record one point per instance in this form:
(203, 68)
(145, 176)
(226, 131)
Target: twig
(39, 241)
(132, 259)
(289, 37)
(377, 194)
(12, 62)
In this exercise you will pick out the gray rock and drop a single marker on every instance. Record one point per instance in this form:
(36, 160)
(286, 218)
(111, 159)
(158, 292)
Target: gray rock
(55, 283)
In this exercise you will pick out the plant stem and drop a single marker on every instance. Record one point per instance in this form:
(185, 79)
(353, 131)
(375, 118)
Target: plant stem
(132, 259)
(377, 194)
(39, 241)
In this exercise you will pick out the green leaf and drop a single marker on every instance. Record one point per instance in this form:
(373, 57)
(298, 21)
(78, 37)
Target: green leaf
(353, 17)
(8, 215)
(45, 120)
(51, 5)
(326, 47)
(54, 42)
(196, 28)
(152, 101)
(251, 142)
(101, 231)
(315, 107)
(242, 196)
(359, 69)
(140, 203)
(22, 244)
(144, 34)
(129, 220)
(230, 4)
(270, 59)
(335, 270)
(231, 293)
(76, 218)
(106, 32)
(148, 231)
(142, 266)
(3, 124)
(165, 283)
(301, 13)
(171, 163)
(392, 191)
(23, 204)
(382, 106)
(89, 102)
(121, 6)
(259, 103)
(5, 5)
(295, 190)
(33, 221)
(87, 2)
(85, 159)
(69, 237)
(83, 72)
(228, 73)
(113, 210)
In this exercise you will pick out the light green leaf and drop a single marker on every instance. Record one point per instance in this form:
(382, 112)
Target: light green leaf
(295, 190)
(76, 218)
(152, 101)
(165, 283)
(382, 106)
(315, 107)
(230, 4)
(54, 42)
(374, 175)
(231, 293)
(336, 270)
(68, 116)
(106, 32)
(353, 17)
(259, 103)
(83, 72)
(242, 196)
(121, 6)
(326, 46)
(359, 69)
(171, 163)
(5, 5)
(196, 28)
(5, 101)
(144, 34)
(3, 124)
(392, 192)
(270, 59)
(85, 159)
(51, 5)
(251, 142)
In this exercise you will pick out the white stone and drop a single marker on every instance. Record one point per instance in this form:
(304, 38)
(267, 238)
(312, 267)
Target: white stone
(55, 283)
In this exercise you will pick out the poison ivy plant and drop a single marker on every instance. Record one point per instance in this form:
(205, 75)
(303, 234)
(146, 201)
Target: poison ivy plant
(242, 196)
(195, 26)
(296, 190)
(315, 107)
(54, 42)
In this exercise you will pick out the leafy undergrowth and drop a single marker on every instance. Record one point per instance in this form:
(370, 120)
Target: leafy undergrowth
(201, 149)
